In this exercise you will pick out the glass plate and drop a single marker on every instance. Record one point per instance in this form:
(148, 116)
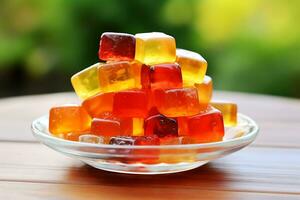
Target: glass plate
(149, 159)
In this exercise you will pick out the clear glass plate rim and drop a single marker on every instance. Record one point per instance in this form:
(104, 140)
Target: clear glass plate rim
(249, 137)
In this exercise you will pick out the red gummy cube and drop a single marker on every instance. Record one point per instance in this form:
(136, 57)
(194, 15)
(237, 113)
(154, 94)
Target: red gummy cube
(111, 126)
(130, 103)
(97, 105)
(161, 76)
(206, 126)
(161, 126)
(147, 140)
(116, 46)
(177, 102)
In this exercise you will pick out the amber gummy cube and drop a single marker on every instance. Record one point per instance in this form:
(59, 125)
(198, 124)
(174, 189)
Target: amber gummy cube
(204, 90)
(99, 104)
(85, 82)
(68, 118)
(229, 111)
(116, 46)
(130, 103)
(116, 76)
(155, 48)
(193, 66)
(204, 127)
(177, 102)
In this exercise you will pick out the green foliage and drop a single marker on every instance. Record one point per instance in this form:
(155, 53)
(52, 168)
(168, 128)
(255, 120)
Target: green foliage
(251, 46)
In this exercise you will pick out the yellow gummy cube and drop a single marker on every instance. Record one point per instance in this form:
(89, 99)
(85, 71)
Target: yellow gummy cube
(204, 90)
(229, 111)
(155, 48)
(85, 82)
(193, 66)
(116, 76)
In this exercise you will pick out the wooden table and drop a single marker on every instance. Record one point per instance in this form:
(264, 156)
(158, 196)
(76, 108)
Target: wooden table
(267, 169)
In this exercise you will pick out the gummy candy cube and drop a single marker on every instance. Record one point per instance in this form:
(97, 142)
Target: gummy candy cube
(106, 127)
(116, 46)
(130, 103)
(161, 126)
(155, 48)
(87, 138)
(148, 156)
(204, 92)
(68, 118)
(118, 76)
(121, 140)
(177, 102)
(85, 82)
(229, 111)
(204, 127)
(165, 76)
(147, 140)
(100, 104)
(193, 66)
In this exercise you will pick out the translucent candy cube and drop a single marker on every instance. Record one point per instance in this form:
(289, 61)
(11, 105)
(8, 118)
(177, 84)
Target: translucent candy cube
(229, 111)
(162, 76)
(177, 102)
(68, 118)
(155, 48)
(161, 126)
(99, 105)
(193, 66)
(122, 140)
(116, 46)
(87, 138)
(130, 103)
(204, 127)
(116, 76)
(85, 82)
(205, 90)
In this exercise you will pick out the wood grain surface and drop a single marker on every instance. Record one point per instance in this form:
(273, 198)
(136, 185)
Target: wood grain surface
(267, 169)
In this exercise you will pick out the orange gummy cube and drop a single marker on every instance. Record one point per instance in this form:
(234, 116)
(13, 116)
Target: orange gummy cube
(204, 127)
(130, 103)
(177, 102)
(111, 126)
(100, 104)
(116, 76)
(204, 91)
(68, 118)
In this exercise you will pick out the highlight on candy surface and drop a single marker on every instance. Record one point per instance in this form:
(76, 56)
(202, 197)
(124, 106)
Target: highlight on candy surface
(155, 48)
(85, 82)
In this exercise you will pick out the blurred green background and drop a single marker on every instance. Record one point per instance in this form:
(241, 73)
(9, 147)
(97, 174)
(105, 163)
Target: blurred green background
(251, 46)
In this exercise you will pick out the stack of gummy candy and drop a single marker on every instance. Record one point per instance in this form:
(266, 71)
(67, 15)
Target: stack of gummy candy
(143, 91)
